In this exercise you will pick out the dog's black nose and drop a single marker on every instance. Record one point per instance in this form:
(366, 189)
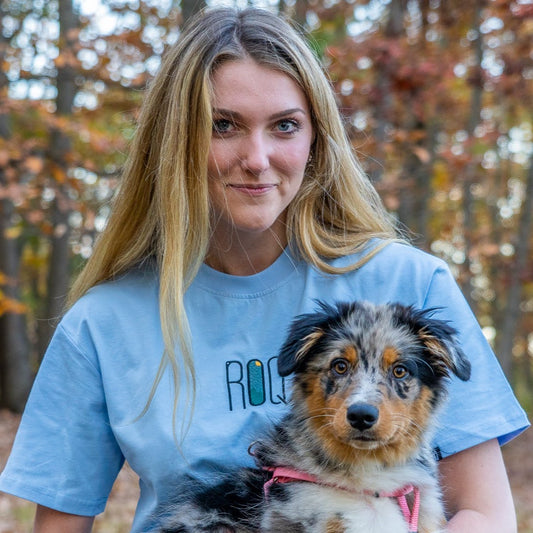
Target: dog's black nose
(362, 416)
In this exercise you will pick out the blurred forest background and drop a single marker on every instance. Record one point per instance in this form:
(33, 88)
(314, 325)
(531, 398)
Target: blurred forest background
(437, 97)
(438, 101)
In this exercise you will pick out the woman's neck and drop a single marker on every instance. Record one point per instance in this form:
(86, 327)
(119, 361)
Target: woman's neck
(240, 255)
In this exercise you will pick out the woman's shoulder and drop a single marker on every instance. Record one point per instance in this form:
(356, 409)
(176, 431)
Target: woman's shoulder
(392, 255)
(388, 271)
(130, 295)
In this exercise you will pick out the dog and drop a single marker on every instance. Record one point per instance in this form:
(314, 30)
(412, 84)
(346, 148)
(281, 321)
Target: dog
(353, 454)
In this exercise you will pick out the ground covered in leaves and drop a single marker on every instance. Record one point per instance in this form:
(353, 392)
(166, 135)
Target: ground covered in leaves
(16, 516)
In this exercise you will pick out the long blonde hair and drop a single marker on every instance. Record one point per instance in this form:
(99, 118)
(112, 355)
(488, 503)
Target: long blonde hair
(162, 207)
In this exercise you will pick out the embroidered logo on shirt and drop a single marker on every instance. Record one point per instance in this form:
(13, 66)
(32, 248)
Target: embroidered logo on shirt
(254, 383)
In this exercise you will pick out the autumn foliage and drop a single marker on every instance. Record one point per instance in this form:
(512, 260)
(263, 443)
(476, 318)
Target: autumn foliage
(438, 102)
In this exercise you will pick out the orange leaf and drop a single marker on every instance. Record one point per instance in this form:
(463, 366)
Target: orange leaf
(8, 305)
(34, 164)
(59, 174)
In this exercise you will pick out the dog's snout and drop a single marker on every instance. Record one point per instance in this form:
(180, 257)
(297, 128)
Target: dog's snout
(362, 416)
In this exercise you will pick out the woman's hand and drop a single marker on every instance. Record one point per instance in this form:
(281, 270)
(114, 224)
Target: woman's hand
(50, 521)
(476, 490)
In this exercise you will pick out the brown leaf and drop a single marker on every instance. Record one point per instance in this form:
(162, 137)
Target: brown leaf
(422, 154)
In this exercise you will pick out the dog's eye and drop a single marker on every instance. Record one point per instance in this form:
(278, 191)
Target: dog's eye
(340, 366)
(400, 371)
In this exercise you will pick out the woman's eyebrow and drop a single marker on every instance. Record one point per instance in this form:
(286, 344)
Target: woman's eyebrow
(286, 112)
(235, 114)
(225, 112)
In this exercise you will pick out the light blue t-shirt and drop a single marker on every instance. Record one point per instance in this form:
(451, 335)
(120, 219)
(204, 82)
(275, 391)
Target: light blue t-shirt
(82, 418)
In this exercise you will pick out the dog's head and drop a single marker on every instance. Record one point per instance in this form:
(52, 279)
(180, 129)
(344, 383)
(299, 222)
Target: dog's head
(370, 377)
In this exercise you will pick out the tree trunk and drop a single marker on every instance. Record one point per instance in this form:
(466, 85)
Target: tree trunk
(495, 272)
(58, 269)
(470, 171)
(415, 185)
(189, 8)
(15, 370)
(523, 251)
(15, 366)
(393, 30)
(299, 12)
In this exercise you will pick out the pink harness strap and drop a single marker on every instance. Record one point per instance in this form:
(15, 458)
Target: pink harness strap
(411, 516)
(281, 474)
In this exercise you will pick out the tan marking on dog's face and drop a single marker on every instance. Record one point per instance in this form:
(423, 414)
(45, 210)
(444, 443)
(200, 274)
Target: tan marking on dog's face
(350, 353)
(335, 525)
(389, 357)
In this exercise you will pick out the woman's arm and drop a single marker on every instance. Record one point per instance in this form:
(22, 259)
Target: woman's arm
(476, 491)
(50, 521)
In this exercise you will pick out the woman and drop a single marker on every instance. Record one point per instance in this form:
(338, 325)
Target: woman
(240, 204)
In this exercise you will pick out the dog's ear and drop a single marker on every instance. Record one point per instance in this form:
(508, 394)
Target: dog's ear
(439, 340)
(304, 333)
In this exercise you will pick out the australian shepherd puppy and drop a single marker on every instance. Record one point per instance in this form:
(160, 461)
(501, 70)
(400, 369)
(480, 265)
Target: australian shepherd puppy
(353, 455)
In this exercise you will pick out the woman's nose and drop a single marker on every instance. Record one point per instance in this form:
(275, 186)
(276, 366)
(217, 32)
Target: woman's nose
(255, 156)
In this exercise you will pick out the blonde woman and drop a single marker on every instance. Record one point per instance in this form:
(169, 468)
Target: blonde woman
(240, 204)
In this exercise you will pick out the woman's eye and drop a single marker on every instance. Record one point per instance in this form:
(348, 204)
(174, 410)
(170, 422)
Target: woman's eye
(222, 125)
(340, 366)
(400, 372)
(288, 126)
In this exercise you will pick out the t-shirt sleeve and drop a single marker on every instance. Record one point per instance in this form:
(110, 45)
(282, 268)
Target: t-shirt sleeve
(65, 455)
(484, 407)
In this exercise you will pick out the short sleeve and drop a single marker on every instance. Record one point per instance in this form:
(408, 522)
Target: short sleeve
(484, 407)
(65, 455)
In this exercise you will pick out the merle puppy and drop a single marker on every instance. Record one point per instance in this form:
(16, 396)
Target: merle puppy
(353, 455)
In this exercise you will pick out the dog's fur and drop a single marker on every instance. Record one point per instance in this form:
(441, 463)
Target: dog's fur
(367, 382)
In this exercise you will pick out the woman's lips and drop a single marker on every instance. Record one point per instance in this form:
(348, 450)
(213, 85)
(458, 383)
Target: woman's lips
(253, 190)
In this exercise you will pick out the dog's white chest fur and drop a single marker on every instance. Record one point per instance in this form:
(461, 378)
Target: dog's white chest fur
(325, 509)
(312, 508)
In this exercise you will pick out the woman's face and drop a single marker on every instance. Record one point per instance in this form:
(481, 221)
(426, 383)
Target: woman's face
(262, 134)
